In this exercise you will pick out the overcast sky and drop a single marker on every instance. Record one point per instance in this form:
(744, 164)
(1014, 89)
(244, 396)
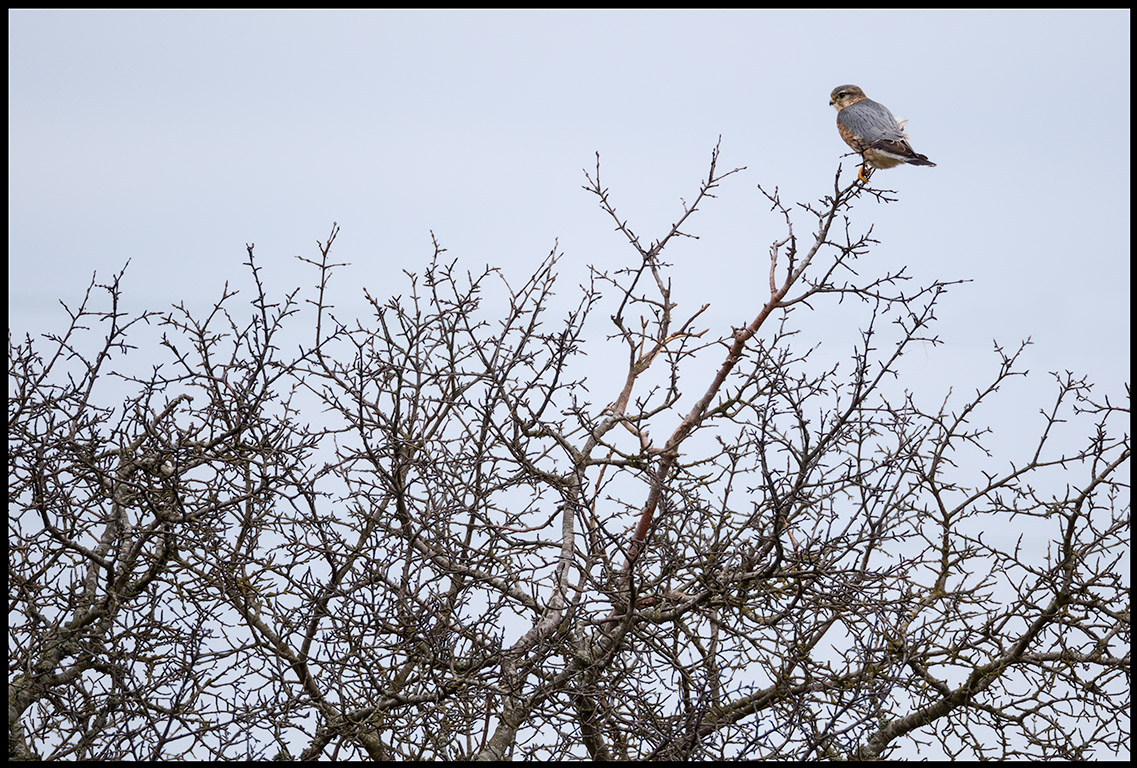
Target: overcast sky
(173, 138)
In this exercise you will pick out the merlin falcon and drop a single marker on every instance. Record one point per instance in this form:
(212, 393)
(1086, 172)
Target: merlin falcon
(871, 130)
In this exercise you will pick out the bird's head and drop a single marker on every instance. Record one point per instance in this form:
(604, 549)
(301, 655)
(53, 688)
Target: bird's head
(844, 95)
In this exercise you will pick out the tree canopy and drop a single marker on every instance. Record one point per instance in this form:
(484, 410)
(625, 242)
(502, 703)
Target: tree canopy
(422, 535)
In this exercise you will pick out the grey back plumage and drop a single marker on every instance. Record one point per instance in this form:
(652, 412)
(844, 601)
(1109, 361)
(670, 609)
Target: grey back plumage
(871, 121)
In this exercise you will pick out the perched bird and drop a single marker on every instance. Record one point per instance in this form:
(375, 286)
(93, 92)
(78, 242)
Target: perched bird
(870, 129)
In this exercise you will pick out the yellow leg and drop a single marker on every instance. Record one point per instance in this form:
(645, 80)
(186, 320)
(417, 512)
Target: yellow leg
(861, 173)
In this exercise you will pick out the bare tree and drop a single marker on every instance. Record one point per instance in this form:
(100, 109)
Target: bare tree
(419, 536)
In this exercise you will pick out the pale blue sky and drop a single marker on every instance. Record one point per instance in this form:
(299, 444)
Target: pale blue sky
(172, 138)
